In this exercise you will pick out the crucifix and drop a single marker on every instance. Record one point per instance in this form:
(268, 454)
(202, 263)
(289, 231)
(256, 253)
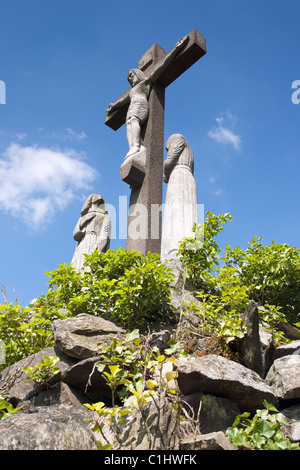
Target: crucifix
(142, 109)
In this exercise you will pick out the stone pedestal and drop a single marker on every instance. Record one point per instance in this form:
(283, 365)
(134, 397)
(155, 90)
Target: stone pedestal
(133, 169)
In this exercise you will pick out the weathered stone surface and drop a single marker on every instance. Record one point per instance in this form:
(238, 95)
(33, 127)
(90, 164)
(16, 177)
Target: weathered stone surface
(60, 394)
(211, 441)
(49, 428)
(250, 343)
(290, 331)
(284, 378)
(182, 292)
(267, 347)
(181, 210)
(292, 432)
(156, 428)
(133, 169)
(92, 231)
(212, 413)
(287, 350)
(221, 377)
(160, 339)
(81, 336)
(86, 379)
(13, 381)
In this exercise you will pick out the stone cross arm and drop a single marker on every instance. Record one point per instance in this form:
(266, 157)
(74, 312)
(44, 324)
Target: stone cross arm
(192, 51)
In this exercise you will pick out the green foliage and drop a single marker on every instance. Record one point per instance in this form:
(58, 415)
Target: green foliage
(262, 432)
(113, 417)
(269, 275)
(43, 372)
(199, 254)
(6, 408)
(25, 331)
(130, 361)
(128, 366)
(125, 287)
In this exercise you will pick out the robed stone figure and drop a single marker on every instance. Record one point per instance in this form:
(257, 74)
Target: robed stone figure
(92, 231)
(180, 212)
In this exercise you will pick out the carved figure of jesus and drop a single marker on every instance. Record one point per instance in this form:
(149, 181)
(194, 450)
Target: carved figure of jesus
(137, 98)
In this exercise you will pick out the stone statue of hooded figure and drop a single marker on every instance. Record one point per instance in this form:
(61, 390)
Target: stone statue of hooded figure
(92, 231)
(180, 212)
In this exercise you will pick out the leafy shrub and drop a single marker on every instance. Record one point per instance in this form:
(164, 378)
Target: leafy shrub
(6, 408)
(128, 367)
(269, 275)
(43, 372)
(201, 259)
(125, 287)
(25, 331)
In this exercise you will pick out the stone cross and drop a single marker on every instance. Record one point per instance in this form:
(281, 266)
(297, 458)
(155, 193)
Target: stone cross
(143, 168)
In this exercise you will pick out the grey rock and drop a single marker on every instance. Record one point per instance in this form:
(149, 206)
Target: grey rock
(182, 293)
(60, 394)
(221, 377)
(267, 347)
(13, 381)
(287, 350)
(250, 343)
(86, 379)
(291, 432)
(157, 427)
(49, 428)
(81, 336)
(160, 340)
(211, 441)
(284, 378)
(290, 331)
(212, 413)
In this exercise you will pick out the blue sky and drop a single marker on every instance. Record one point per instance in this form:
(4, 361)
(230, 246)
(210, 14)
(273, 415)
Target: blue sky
(64, 61)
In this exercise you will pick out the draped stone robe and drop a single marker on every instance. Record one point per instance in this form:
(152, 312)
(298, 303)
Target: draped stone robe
(92, 231)
(180, 212)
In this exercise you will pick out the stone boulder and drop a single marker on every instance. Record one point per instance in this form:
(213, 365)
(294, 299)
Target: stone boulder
(288, 349)
(60, 394)
(81, 336)
(291, 432)
(212, 413)
(87, 380)
(250, 343)
(155, 427)
(49, 428)
(284, 378)
(221, 377)
(211, 441)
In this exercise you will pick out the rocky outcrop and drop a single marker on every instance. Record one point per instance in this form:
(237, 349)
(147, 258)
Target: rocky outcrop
(14, 383)
(57, 427)
(284, 378)
(219, 376)
(211, 441)
(212, 391)
(81, 336)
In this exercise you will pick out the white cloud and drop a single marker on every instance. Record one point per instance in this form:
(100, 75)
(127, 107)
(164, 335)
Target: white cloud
(76, 135)
(35, 182)
(217, 192)
(223, 133)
